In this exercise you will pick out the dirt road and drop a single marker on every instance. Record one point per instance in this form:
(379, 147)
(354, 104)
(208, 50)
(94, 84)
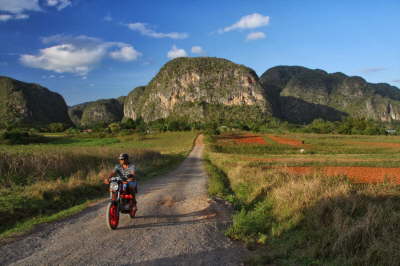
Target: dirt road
(176, 225)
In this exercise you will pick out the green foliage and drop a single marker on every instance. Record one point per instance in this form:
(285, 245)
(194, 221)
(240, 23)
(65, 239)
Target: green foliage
(56, 127)
(348, 126)
(128, 124)
(72, 131)
(218, 182)
(17, 136)
(114, 127)
(254, 224)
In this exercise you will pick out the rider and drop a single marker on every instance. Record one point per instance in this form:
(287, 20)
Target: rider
(127, 171)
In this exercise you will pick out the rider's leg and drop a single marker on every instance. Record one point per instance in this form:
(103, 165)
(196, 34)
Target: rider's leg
(133, 190)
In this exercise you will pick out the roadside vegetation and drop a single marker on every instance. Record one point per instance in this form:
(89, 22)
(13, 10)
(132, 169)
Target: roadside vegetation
(308, 219)
(40, 180)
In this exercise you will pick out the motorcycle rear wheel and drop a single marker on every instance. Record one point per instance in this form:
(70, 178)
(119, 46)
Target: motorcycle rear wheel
(112, 217)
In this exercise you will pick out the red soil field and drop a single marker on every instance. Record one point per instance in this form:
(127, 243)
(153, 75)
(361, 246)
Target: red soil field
(289, 160)
(356, 174)
(247, 138)
(286, 141)
(251, 139)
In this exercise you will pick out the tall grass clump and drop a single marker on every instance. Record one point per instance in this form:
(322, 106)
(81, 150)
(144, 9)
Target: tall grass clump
(37, 183)
(313, 219)
(218, 182)
(24, 167)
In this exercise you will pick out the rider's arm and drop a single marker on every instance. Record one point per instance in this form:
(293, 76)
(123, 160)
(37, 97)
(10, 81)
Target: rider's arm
(133, 170)
(113, 173)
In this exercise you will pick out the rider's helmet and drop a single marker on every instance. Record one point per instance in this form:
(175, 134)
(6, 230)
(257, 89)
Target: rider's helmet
(123, 156)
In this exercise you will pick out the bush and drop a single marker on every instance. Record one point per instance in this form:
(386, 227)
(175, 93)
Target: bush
(349, 126)
(72, 131)
(17, 136)
(56, 127)
(128, 124)
(114, 127)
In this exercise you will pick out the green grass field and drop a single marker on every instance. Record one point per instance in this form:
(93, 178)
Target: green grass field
(311, 219)
(38, 181)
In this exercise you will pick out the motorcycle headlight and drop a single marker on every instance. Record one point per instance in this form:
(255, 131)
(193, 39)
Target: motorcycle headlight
(113, 186)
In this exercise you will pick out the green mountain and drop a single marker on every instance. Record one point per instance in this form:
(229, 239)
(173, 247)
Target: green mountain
(101, 111)
(206, 89)
(300, 95)
(200, 89)
(27, 104)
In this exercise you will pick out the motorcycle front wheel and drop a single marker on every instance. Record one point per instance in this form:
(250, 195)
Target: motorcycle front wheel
(112, 217)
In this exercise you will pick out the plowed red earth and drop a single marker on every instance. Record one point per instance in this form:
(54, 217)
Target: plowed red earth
(251, 139)
(247, 138)
(356, 174)
(300, 160)
(286, 141)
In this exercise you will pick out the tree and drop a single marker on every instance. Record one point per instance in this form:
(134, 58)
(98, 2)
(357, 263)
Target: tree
(114, 127)
(56, 127)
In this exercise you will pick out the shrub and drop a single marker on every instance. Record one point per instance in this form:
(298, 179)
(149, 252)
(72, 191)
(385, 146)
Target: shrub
(114, 127)
(17, 136)
(56, 127)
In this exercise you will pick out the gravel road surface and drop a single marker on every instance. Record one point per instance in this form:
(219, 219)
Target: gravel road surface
(176, 224)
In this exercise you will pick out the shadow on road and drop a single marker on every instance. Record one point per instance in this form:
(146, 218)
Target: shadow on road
(209, 214)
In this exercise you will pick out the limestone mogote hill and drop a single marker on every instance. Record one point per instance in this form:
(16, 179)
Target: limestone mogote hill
(101, 111)
(28, 104)
(299, 95)
(214, 89)
(200, 89)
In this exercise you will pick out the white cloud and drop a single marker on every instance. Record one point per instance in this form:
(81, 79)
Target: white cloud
(197, 50)
(19, 6)
(78, 55)
(126, 53)
(6, 17)
(59, 4)
(255, 36)
(64, 58)
(21, 16)
(108, 18)
(251, 21)
(145, 30)
(16, 9)
(176, 52)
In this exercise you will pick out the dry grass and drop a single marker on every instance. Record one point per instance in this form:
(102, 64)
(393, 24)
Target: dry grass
(41, 180)
(28, 167)
(313, 219)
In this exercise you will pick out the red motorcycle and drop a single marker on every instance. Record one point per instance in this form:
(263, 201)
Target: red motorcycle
(121, 201)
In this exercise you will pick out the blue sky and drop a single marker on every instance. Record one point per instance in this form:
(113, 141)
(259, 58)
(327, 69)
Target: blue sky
(91, 49)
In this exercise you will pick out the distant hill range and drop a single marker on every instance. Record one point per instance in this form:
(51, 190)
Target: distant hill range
(27, 104)
(299, 95)
(101, 111)
(206, 89)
